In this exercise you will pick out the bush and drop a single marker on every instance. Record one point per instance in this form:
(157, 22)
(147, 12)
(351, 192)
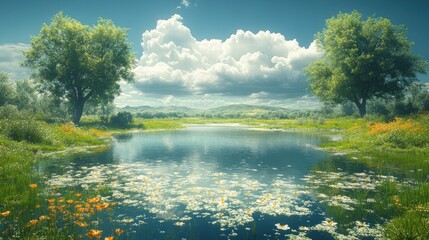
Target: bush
(9, 112)
(122, 120)
(25, 130)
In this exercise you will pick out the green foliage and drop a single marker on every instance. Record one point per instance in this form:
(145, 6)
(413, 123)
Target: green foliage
(362, 60)
(77, 63)
(412, 225)
(9, 112)
(27, 130)
(26, 97)
(122, 119)
(7, 90)
(348, 108)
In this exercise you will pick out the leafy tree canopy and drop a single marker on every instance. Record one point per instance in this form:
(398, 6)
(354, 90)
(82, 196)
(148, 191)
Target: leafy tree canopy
(362, 60)
(76, 62)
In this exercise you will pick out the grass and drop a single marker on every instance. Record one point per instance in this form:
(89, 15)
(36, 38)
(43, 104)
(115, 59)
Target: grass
(401, 147)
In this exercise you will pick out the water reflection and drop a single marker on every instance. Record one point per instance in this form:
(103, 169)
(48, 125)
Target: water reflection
(227, 182)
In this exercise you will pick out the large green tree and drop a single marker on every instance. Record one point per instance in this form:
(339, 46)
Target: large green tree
(76, 62)
(362, 59)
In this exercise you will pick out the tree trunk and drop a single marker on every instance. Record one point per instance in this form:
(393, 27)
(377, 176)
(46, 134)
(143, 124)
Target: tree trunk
(362, 107)
(78, 110)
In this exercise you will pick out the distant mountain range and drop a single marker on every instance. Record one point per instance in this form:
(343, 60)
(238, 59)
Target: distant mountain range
(229, 111)
(228, 108)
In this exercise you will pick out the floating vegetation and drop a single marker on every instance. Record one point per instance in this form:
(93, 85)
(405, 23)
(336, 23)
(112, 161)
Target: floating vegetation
(229, 201)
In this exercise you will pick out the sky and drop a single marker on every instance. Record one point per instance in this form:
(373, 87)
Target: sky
(207, 53)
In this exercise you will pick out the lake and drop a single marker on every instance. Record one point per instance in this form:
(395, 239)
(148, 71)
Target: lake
(224, 182)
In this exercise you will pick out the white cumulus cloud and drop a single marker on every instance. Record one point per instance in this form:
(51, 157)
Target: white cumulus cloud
(245, 64)
(10, 58)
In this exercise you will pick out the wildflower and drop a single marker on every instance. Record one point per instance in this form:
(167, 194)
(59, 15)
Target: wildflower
(328, 222)
(81, 224)
(43, 218)
(70, 201)
(94, 200)
(180, 224)
(37, 206)
(361, 224)
(304, 228)
(282, 227)
(94, 233)
(51, 201)
(78, 194)
(32, 222)
(119, 231)
(33, 186)
(51, 208)
(396, 200)
(109, 238)
(101, 206)
(5, 214)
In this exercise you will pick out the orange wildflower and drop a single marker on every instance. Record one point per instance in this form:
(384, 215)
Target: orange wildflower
(94, 233)
(94, 200)
(70, 201)
(43, 218)
(78, 194)
(33, 186)
(109, 238)
(119, 231)
(5, 214)
(81, 224)
(32, 222)
(51, 201)
(101, 206)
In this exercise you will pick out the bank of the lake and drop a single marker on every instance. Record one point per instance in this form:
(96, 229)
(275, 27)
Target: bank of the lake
(402, 145)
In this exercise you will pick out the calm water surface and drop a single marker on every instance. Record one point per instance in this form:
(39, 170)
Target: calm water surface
(226, 182)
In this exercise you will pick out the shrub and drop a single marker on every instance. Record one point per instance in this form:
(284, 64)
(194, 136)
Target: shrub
(9, 112)
(27, 130)
(123, 119)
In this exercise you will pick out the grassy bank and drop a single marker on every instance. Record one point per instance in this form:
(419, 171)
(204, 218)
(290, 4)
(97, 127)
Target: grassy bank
(400, 146)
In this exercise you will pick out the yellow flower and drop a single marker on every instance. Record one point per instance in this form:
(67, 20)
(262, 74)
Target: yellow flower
(94, 233)
(119, 231)
(101, 206)
(33, 186)
(42, 218)
(32, 222)
(78, 194)
(51, 201)
(81, 224)
(5, 214)
(109, 238)
(94, 200)
(69, 201)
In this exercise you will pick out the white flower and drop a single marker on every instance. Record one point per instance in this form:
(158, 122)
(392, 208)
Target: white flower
(282, 227)
(328, 222)
(361, 224)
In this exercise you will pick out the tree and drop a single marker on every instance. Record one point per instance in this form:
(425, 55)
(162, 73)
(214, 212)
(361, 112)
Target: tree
(76, 62)
(362, 60)
(26, 96)
(7, 90)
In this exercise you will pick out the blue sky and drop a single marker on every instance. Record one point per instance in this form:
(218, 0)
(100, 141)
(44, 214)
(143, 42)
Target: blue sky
(222, 52)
